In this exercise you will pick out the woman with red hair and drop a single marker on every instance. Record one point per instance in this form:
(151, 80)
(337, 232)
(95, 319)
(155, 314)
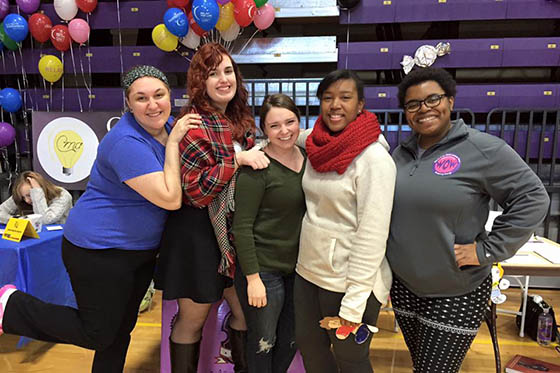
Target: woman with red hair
(197, 259)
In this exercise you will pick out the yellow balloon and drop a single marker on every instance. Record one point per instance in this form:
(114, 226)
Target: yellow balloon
(163, 39)
(226, 17)
(51, 68)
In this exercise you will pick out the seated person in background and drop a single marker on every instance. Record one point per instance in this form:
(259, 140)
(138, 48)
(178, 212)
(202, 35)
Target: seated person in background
(32, 192)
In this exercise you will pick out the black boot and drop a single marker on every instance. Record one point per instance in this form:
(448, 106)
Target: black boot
(184, 356)
(238, 343)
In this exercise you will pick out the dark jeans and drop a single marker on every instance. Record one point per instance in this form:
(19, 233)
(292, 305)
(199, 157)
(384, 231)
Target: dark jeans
(109, 286)
(312, 303)
(270, 329)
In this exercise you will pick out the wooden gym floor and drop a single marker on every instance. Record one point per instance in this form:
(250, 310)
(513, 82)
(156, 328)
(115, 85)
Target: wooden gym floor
(388, 351)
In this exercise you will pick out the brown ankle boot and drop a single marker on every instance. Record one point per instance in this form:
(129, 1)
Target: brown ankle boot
(238, 343)
(184, 356)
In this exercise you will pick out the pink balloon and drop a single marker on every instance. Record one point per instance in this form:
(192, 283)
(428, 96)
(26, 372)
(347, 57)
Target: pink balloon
(264, 17)
(79, 30)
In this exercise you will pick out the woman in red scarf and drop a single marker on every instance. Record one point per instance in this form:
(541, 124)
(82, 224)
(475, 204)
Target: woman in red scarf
(341, 270)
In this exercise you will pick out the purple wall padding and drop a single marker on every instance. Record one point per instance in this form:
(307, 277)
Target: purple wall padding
(524, 9)
(531, 52)
(370, 12)
(432, 10)
(212, 352)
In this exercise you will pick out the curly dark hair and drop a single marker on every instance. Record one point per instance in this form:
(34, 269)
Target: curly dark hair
(206, 59)
(419, 76)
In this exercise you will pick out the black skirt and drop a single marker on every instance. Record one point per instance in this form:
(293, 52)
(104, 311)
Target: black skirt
(189, 257)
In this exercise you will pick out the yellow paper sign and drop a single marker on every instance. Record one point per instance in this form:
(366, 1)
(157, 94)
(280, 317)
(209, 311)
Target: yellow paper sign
(17, 228)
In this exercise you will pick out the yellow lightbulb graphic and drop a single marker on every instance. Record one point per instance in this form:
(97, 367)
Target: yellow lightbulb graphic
(68, 146)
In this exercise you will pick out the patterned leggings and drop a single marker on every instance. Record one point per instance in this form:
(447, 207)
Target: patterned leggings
(439, 331)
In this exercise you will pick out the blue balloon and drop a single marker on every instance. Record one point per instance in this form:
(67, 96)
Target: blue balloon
(11, 100)
(176, 22)
(206, 13)
(16, 27)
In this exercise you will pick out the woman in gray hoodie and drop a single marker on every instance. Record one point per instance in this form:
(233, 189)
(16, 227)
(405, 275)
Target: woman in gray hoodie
(438, 249)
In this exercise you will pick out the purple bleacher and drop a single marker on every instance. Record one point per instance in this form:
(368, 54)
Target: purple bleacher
(366, 55)
(103, 60)
(381, 97)
(521, 52)
(370, 12)
(525, 9)
(450, 10)
(543, 96)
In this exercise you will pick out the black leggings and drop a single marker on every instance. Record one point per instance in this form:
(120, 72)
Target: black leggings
(439, 331)
(109, 286)
(312, 303)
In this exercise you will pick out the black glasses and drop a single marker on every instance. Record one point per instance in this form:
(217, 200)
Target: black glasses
(431, 101)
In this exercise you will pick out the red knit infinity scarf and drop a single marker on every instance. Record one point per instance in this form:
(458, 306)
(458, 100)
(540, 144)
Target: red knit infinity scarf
(328, 152)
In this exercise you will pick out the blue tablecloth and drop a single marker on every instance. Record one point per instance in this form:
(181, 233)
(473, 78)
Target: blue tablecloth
(35, 267)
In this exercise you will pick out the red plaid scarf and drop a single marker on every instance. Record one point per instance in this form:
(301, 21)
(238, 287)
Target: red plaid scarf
(334, 152)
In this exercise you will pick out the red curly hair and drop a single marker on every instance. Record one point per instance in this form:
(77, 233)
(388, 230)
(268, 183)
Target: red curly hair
(206, 59)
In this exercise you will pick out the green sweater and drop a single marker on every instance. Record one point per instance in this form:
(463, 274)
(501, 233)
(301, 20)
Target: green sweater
(269, 207)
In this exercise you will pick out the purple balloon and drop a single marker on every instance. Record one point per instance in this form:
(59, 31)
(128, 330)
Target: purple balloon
(28, 6)
(7, 134)
(4, 8)
(222, 2)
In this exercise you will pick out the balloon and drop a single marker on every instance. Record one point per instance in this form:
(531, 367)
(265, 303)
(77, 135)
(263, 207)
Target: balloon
(192, 40)
(260, 3)
(28, 6)
(163, 39)
(244, 12)
(206, 13)
(347, 4)
(176, 22)
(223, 2)
(60, 37)
(66, 9)
(4, 8)
(7, 134)
(79, 30)
(231, 33)
(226, 17)
(193, 25)
(264, 17)
(86, 6)
(40, 27)
(11, 100)
(178, 3)
(16, 27)
(6, 40)
(51, 68)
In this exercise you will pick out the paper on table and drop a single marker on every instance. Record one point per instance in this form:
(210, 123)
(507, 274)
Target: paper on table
(549, 252)
(54, 227)
(526, 258)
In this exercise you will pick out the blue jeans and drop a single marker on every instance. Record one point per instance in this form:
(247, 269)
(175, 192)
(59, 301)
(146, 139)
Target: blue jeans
(270, 329)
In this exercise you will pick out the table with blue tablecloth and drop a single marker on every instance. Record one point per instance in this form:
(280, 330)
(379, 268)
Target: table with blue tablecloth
(35, 266)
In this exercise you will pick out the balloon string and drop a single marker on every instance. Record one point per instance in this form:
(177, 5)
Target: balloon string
(27, 129)
(347, 38)
(120, 48)
(76, 77)
(25, 81)
(248, 41)
(62, 102)
(34, 85)
(16, 147)
(89, 68)
(6, 164)
(84, 76)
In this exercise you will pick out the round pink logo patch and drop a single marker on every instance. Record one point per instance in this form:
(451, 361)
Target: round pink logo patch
(447, 164)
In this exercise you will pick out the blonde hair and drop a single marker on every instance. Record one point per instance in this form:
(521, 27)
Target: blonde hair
(51, 191)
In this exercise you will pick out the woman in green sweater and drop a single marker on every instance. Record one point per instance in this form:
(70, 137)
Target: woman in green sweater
(269, 208)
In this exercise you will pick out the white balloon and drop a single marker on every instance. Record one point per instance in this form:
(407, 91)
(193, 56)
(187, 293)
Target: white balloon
(191, 40)
(66, 9)
(231, 33)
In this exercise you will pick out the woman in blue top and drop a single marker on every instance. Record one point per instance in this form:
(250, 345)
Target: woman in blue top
(111, 236)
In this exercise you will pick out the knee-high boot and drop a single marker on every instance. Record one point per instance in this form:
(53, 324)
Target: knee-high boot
(238, 343)
(184, 356)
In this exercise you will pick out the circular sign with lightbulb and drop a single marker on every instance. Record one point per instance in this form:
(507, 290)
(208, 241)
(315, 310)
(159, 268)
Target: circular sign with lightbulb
(66, 149)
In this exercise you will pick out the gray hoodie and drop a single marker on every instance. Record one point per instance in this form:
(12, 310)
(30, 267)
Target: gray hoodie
(443, 197)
